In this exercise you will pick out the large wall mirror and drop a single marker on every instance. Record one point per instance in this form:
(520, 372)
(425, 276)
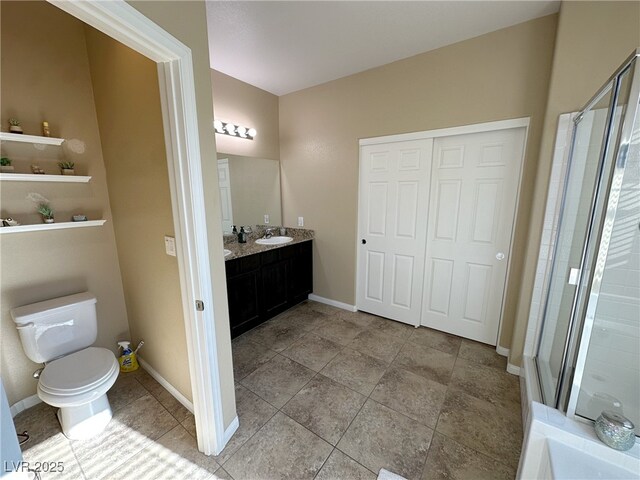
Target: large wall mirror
(249, 190)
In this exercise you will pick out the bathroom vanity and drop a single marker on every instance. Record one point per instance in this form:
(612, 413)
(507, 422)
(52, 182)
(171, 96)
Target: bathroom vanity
(265, 280)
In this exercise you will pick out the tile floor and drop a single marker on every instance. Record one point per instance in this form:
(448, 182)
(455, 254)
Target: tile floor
(321, 393)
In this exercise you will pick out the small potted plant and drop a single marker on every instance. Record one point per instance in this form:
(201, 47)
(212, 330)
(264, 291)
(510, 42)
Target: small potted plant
(47, 213)
(66, 168)
(5, 165)
(14, 126)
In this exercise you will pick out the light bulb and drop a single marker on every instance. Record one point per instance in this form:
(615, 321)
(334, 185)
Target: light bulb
(231, 129)
(217, 124)
(242, 132)
(252, 132)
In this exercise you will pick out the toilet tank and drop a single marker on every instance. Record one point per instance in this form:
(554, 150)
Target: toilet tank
(57, 327)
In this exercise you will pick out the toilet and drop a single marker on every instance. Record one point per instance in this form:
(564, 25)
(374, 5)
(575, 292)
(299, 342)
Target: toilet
(76, 376)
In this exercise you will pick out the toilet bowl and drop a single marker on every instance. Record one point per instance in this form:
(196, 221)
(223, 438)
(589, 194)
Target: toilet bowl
(76, 376)
(77, 384)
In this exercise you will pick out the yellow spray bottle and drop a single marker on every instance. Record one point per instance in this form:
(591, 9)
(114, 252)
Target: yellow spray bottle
(128, 360)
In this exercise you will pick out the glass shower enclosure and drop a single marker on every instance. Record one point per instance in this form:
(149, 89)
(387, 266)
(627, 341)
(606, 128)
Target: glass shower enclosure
(588, 355)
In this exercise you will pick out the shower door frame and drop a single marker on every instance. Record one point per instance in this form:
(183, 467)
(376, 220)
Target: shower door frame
(579, 329)
(612, 195)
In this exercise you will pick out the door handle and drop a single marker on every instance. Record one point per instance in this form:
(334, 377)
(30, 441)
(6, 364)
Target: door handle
(500, 256)
(364, 242)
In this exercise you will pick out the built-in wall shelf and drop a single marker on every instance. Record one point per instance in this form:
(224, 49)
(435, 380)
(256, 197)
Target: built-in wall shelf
(51, 226)
(32, 177)
(20, 137)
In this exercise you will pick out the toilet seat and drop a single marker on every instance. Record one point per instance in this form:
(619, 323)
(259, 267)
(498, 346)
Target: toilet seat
(78, 378)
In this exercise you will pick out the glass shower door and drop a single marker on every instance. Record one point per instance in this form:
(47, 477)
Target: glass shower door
(589, 142)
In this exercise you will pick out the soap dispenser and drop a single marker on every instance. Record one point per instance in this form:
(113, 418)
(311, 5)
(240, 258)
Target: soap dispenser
(242, 236)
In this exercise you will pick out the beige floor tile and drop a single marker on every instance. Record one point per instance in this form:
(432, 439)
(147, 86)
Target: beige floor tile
(321, 307)
(248, 356)
(276, 334)
(435, 339)
(450, 460)
(282, 449)
(221, 474)
(481, 353)
(173, 456)
(395, 329)
(125, 390)
(376, 344)
(312, 351)
(325, 407)
(130, 431)
(382, 438)
(411, 395)
(355, 370)
(482, 426)
(304, 318)
(340, 466)
(361, 319)
(487, 383)
(253, 413)
(338, 331)
(278, 380)
(426, 362)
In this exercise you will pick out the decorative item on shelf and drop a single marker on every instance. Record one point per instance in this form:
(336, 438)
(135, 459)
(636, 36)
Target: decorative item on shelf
(14, 126)
(5, 165)
(37, 170)
(9, 222)
(79, 218)
(45, 129)
(42, 207)
(66, 168)
(615, 430)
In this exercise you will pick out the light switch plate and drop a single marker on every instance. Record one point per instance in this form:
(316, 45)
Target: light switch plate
(170, 245)
(574, 275)
(266, 219)
(301, 221)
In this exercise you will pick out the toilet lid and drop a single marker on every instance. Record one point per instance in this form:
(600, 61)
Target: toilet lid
(78, 372)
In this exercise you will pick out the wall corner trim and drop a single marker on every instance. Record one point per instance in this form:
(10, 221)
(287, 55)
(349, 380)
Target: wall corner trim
(512, 369)
(22, 405)
(231, 429)
(333, 303)
(504, 352)
(167, 386)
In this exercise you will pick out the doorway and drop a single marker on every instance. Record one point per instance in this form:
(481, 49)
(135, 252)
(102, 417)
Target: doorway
(465, 203)
(124, 23)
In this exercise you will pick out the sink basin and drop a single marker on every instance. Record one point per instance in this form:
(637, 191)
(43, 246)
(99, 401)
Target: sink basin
(227, 252)
(274, 240)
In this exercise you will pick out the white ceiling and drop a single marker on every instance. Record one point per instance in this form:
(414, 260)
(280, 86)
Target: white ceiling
(286, 46)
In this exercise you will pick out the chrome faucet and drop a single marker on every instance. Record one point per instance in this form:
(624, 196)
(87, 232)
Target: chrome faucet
(268, 233)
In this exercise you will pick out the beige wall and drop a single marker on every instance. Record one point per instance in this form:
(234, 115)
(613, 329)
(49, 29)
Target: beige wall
(186, 21)
(593, 39)
(500, 75)
(127, 99)
(45, 75)
(255, 190)
(249, 106)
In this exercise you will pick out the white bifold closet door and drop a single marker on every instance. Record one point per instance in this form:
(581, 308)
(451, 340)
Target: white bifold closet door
(474, 191)
(394, 192)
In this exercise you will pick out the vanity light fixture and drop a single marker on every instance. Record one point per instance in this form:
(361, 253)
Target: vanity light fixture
(227, 128)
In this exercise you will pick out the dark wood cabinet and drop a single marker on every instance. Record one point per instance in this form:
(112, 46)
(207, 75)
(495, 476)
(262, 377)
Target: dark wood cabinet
(262, 285)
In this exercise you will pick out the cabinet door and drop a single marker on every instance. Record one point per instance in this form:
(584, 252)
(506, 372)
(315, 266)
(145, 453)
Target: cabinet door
(275, 278)
(243, 292)
(301, 275)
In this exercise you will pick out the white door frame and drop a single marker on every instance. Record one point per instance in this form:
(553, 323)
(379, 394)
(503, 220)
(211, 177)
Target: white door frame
(127, 25)
(447, 132)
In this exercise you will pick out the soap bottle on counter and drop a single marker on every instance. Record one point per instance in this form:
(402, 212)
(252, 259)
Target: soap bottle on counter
(234, 230)
(242, 236)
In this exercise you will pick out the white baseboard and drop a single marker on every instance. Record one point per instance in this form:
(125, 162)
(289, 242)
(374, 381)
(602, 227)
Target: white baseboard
(231, 429)
(22, 405)
(333, 303)
(513, 370)
(504, 352)
(167, 386)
